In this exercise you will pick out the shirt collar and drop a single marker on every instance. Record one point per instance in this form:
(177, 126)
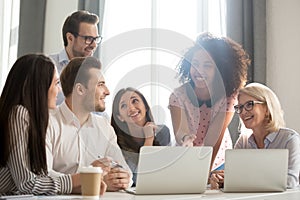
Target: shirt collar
(63, 56)
(269, 139)
(71, 118)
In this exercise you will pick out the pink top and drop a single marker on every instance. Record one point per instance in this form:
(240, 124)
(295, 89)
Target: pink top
(199, 119)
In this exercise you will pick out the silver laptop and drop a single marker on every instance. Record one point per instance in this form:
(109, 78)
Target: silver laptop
(172, 170)
(255, 170)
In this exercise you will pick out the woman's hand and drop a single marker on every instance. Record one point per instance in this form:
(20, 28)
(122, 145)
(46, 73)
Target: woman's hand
(187, 140)
(216, 179)
(149, 133)
(149, 129)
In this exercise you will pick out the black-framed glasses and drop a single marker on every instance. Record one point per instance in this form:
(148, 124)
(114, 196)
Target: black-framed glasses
(89, 39)
(248, 106)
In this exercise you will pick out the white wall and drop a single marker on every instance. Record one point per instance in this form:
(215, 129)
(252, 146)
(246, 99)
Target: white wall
(56, 13)
(283, 48)
(283, 53)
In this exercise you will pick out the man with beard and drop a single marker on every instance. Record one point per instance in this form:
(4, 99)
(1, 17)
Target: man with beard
(77, 137)
(80, 36)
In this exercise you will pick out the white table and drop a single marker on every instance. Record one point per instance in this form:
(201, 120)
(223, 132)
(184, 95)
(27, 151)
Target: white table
(209, 194)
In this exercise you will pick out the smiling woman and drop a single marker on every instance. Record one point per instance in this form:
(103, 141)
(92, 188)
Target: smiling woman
(212, 71)
(134, 125)
(260, 110)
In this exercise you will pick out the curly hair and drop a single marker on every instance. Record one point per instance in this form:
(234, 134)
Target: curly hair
(231, 60)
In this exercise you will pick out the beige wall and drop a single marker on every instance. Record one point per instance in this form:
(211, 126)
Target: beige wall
(283, 53)
(283, 48)
(55, 17)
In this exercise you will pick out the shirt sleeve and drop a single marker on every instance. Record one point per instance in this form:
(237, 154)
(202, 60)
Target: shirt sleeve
(50, 138)
(114, 151)
(174, 100)
(293, 145)
(19, 164)
(242, 142)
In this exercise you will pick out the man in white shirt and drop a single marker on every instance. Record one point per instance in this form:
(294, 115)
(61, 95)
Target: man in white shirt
(77, 137)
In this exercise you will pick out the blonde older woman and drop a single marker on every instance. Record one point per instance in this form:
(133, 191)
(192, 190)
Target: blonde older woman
(260, 110)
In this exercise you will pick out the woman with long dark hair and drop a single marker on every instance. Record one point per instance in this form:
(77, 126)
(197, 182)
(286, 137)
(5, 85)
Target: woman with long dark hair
(30, 91)
(134, 125)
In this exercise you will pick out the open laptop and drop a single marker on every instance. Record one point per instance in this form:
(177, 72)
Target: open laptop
(255, 170)
(172, 170)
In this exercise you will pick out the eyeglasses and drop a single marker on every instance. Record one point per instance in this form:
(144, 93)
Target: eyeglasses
(89, 39)
(248, 106)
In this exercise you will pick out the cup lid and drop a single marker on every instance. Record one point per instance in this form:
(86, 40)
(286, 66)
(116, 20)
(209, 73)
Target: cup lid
(90, 169)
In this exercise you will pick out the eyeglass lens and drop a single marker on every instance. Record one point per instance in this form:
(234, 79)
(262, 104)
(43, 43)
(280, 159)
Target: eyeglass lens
(248, 106)
(90, 39)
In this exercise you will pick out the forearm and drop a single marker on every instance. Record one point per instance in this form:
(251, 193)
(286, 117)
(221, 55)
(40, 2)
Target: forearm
(149, 141)
(180, 124)
(76, 186)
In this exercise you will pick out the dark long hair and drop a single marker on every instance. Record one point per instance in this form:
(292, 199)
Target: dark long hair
(125, 140)
(27, 84)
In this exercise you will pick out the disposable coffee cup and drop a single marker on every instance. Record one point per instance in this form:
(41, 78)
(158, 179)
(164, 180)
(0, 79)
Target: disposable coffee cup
(90, 178)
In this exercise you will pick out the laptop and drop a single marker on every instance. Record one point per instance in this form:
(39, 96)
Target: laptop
(172, 170)
(255, 170)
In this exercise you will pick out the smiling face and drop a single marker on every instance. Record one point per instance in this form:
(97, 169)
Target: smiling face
(202, 70)
(255, 118)
(78, 46)
(96, 91)
(53, 91)
(132, 109)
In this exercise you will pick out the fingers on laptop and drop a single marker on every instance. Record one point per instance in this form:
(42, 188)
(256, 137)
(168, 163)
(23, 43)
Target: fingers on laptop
(216, 179)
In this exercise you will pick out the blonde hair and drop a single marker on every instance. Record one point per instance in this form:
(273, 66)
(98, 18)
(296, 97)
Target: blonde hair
(266, 95)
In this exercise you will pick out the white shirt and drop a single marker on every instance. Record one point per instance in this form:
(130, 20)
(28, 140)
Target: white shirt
(70, 146)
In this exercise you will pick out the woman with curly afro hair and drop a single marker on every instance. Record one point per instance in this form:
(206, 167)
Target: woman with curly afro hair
(212, 71)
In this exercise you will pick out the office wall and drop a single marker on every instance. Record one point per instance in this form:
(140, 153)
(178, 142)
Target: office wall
(31, 27)
(283, 42)
(283, 66)
(56, 13)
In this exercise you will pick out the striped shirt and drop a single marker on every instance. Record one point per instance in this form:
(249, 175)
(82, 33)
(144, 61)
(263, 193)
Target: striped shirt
(16, 177)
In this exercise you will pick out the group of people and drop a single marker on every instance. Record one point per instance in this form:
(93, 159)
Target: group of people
(42, 145)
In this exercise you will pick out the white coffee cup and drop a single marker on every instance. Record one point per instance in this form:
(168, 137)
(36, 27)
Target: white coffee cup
(90, 178)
